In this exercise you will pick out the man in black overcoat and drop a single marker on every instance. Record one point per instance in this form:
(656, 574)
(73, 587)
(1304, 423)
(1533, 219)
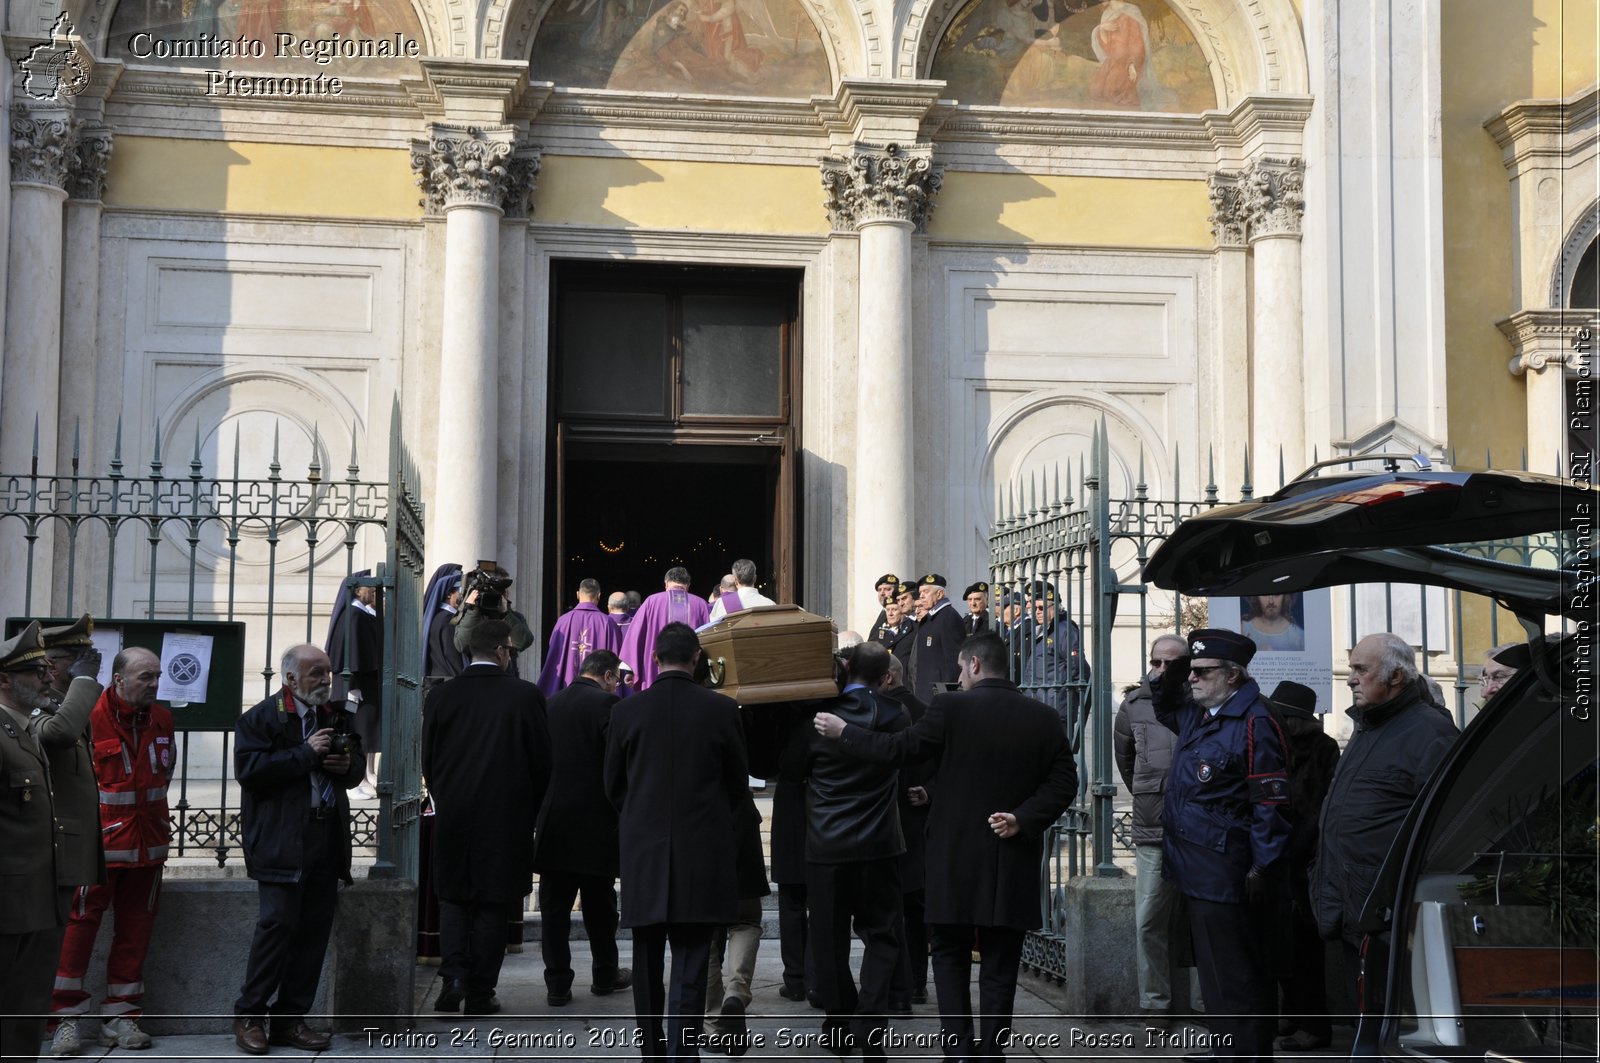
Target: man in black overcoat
(910, 983)
(676, 771)
(1005, 774)
(577, 849)
(486, 756)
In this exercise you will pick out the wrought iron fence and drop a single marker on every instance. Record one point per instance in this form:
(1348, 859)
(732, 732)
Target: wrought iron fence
(213, 545)
(1089, 545)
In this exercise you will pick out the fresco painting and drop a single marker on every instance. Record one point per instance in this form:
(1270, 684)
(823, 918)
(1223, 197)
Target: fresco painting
(725, 47)
(1123, 55)
(373, 38)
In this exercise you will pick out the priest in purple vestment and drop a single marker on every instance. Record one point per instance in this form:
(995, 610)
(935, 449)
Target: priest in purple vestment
(673, 605)
(576, 635)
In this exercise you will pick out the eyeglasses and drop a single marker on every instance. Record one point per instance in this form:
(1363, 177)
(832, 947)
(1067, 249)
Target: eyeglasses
(1494, 677)
(1203, 670)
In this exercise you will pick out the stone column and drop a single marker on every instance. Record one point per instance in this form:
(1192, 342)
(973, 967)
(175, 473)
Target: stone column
(523, 171)
(1226, 427)
(1273, 192)
(80, 305)
(1550, 346)
(464, 173)
(884, 195)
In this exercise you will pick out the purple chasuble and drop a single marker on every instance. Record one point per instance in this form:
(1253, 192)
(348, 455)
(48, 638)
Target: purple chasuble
(673, 605)
(576, 635)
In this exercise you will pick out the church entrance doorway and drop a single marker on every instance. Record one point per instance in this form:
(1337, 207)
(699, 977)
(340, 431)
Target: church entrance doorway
(675, 398)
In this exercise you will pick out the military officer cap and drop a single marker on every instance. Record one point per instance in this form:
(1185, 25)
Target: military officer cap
(888, 577)
(1221, 645)
(1517, 656)
(23, 652)
(1294, 698)
(69, 636)
(933, 579)
(977, 588)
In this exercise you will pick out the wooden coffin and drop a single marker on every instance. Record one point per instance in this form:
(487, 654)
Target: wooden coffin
(771, 653)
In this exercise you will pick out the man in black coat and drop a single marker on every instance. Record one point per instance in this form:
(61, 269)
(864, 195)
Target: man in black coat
(295, 826)
(853, 843)
(910, 983)
(676, 771)
(939, 636)
(1005, 774)
(486, 756)
(577, 850)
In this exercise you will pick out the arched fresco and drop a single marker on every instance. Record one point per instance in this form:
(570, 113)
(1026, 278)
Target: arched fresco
(1122, 55)
(369, 38)
(726, 47)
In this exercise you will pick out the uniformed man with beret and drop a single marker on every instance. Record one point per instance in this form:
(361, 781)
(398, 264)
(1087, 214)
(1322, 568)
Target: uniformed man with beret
(898, 631)
(1225, 831)
(977, 618)
(1053, 667)
(938, 640)
(886, 587)
(33, 903)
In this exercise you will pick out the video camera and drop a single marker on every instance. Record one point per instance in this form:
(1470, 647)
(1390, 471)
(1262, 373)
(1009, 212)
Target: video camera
(491, 582)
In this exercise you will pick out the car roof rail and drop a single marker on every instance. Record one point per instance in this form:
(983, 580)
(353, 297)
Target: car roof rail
(1391, 463)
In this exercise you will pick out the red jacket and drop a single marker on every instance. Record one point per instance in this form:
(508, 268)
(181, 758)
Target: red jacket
(133, 761)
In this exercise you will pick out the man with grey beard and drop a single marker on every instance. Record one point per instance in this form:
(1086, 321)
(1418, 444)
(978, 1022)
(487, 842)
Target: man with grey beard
(295, 820)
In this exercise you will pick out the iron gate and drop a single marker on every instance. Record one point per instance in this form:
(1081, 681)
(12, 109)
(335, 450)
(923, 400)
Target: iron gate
(205, 545)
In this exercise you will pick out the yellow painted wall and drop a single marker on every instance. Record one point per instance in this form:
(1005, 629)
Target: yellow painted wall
(1494, 53)
(1094, 211)
(660, 194)
(167, 173)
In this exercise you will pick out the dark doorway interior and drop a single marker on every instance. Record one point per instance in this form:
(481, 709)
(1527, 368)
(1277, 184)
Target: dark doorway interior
(631, 514)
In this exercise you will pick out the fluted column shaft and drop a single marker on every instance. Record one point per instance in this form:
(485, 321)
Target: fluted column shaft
(464, 173)
(884, 195)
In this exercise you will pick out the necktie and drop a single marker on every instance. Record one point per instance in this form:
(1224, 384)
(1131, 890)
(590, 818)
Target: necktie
(321, 784)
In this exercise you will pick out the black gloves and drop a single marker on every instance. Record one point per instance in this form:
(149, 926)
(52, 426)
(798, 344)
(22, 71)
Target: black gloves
(1171, 687)
(86, 665)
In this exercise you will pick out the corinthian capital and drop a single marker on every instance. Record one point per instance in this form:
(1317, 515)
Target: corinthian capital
(1229, 217)
(91, 154)
(1275, 196)
(887, 184)
(522, 178)
(463, 166)
(41, 145)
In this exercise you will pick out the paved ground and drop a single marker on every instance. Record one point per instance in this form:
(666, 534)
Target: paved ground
(601, 1027)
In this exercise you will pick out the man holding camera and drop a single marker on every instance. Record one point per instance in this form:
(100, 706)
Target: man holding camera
(134, 755)
(294, 763)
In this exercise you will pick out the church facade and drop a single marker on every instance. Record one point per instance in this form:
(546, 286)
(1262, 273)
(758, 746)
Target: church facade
(815, 280)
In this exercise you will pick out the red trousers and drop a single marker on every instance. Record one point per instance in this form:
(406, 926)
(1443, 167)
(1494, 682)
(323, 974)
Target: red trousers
(135, 893)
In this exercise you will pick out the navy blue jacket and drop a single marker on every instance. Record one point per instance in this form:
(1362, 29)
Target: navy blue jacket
(1227, 796)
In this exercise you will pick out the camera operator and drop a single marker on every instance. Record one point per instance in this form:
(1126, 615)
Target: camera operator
(484, 597)
(294, 763)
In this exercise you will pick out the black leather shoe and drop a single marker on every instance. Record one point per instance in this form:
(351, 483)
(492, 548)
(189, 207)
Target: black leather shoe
(299, 1035)
(451, 996)
(735, 1031)
(814, 1000)
(792, 991)
(900, 1009)
(919, 995)
(481, 1006)
(250, 1035)
(619, 981)
(558, 1000)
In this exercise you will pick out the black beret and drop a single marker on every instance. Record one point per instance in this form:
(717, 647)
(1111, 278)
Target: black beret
(1517, 656)
(933, 579)
(889, 578)
(1221, 645)
(977, 588)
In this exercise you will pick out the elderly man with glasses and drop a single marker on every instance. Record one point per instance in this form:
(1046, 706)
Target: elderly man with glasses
(1225, 831)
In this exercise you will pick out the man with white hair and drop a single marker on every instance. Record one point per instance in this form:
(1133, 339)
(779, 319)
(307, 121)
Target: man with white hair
(1398, 740)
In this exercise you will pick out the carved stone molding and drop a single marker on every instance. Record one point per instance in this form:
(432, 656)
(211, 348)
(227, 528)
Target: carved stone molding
(1229, 216)
(1266, 199)
(91, 154)
(1275, 196)
(1546, 339)
(460, 166)
(880, 184)
(41, 145)
(522, 178)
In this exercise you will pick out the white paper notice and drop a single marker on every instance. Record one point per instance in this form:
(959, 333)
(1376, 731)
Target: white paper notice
(108, 640)
(185, 668)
